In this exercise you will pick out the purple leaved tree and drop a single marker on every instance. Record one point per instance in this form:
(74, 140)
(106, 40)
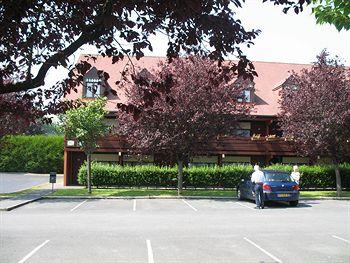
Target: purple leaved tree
(200, 104)
(316, 111)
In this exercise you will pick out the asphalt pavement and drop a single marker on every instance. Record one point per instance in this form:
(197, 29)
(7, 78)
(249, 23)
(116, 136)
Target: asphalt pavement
(169, 231)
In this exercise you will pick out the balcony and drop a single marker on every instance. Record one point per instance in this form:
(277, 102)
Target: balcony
(225, 145)
(247, 146)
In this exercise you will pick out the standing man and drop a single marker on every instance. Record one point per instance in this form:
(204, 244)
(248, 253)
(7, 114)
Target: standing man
(295, 174)
(258, 180)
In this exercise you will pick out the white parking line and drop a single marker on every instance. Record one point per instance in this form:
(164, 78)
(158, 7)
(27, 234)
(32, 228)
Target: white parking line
(149, 251)
(342, 239)
(187, 203)
(134, 206)
(33, 252)
(238, 203)
(263, 250)
(75, 207)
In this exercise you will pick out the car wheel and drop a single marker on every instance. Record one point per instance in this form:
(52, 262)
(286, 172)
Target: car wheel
(294, 203)
(239, 194)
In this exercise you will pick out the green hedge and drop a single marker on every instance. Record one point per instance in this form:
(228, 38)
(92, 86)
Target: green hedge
(36, 154)
(155, 176)
(317, 176)
(104, 175)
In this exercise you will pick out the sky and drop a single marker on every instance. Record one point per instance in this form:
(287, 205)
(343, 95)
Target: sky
(286, 38)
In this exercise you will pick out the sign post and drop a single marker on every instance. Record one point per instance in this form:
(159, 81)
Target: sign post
(52, 178)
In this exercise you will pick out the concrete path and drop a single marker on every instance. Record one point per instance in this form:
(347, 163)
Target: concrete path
(41, 190)
(14, 182)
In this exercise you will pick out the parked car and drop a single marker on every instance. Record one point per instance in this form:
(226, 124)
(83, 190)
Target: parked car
(278, 186)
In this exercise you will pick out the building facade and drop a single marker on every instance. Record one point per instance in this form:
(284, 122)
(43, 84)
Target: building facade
(257, 141)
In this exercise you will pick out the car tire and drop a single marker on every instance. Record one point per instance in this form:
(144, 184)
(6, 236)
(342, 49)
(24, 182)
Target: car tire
(239, 194)
(294, 203)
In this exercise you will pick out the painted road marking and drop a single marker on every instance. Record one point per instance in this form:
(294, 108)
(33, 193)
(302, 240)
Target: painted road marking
(187, 203)
(263, 250)
(238, 203)
(342, 239)
(33, 252)
(134, 206)
(149, 251)
(75, 207)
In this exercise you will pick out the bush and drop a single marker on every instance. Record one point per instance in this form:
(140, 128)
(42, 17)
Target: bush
(104, 175)
(36, 154)
(155, 176)
(317, 176)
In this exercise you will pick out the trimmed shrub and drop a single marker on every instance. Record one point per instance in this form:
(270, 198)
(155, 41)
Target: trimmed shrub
(155, 176)
(115, 175)
(105, 175)
(317, 176)
(36, 154)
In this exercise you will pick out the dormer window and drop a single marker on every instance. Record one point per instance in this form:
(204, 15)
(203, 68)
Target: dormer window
(290, 83)
(92, 84)
(246, 97)
(248, 89)
(92, 87)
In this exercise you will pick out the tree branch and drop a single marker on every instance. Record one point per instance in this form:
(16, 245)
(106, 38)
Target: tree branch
(53, 61)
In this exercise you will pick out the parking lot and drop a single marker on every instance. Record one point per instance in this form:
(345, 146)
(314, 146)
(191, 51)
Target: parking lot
(175, 230)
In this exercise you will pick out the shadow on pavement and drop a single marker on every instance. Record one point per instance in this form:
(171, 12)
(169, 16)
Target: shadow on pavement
(284, 205)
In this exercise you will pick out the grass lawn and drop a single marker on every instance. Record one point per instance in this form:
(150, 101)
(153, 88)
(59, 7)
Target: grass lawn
(162, 192)
(142, 192)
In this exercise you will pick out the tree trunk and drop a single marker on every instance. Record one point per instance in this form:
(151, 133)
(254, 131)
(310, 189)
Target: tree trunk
(337, 179)
(179, 176)
(89, 172)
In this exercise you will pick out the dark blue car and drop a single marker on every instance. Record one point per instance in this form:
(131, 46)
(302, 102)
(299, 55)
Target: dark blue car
(278, 186)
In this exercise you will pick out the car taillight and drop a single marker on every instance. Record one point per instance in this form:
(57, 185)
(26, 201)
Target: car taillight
(296, 187)
(266, 187)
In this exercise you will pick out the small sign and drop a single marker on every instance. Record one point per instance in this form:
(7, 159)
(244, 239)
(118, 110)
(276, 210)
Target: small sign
(70, 143)
(52, 177)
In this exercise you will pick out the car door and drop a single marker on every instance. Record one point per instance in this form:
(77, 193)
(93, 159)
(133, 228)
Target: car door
(249, 189)
(245, 188)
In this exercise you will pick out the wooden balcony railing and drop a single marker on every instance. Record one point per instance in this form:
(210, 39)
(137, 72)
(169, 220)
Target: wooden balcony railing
(224, 145)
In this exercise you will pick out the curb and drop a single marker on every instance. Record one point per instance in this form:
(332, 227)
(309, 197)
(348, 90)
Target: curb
(140, 197)
(179, 197)
(21, 204)
(325, 198)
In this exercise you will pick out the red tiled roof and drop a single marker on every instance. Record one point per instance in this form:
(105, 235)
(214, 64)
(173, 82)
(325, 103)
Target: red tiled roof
(271, 75)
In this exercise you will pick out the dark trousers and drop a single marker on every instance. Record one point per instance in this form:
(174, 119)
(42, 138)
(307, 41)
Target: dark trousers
(259, 195)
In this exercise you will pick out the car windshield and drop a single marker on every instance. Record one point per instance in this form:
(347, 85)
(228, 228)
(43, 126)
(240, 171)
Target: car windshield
(277, 176)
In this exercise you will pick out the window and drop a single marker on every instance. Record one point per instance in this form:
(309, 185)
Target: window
(92, 87)
(294, 87)
(248, 89)
(277, 176)
(245, 97)
(290, 83)
(242, 132)
(243, 129)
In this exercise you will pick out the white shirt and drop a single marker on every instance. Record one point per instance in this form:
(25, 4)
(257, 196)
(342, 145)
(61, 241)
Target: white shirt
(295, 177)
(257, 177)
